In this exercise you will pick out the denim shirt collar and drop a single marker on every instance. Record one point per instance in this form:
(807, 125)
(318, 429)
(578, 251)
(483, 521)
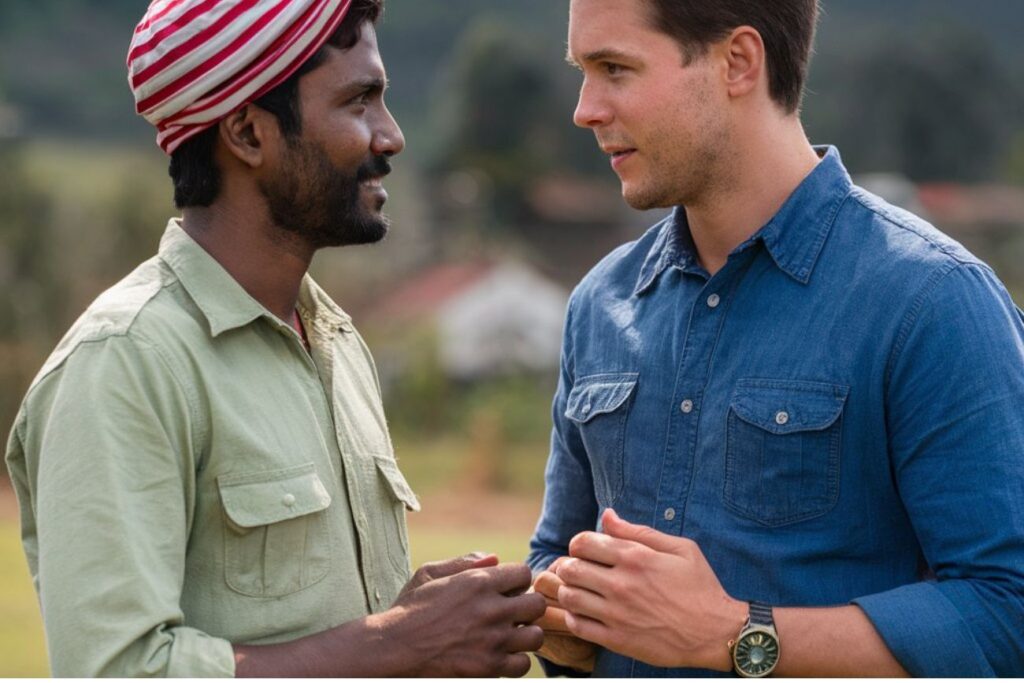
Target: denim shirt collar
(794, 236)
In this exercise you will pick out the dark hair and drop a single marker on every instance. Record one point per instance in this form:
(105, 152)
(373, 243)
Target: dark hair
(786, 27)
(193, 169)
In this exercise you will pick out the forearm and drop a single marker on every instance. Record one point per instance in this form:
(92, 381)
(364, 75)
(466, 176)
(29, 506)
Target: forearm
(356, 649)
(831, 642)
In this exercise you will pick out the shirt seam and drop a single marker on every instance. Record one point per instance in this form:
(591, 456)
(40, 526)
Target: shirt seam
(912, 315)
(199, 429)
(856, 194)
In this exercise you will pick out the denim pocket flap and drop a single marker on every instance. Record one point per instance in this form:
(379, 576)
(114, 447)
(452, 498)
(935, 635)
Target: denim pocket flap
(263, 498)
(599, 394)
(397, 484)
(786, 407)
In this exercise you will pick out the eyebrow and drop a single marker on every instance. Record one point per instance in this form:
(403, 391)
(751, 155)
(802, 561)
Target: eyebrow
(364, 84)
(607, 54)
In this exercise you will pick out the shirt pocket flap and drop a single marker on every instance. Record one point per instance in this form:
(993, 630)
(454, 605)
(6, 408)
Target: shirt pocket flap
(397, 484)
(598, 394)
(262, 498)
(786, 407)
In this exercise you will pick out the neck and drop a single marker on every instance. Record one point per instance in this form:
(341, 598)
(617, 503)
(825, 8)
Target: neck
(756, 183)
(267, 262)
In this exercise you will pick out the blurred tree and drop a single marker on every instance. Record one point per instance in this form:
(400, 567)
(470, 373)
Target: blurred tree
(933, 105)
(497, 114)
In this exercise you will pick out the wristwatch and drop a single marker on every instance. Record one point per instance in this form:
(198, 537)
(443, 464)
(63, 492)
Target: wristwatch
(755, 652)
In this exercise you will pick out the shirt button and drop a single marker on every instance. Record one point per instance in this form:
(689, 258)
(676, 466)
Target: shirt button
(586, 409)
(376, 594)
(781, 417)
(288, 500)
(670, 514)
(714, 300)
(686, 406)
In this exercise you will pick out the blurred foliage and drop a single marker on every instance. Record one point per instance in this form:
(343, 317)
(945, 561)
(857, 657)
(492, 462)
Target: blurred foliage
(937, 107)
(422, 400)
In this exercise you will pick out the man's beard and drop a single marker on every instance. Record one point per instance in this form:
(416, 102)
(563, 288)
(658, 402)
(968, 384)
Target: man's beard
(315, 200)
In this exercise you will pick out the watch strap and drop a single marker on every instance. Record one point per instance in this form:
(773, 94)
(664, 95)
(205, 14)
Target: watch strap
(761, 614)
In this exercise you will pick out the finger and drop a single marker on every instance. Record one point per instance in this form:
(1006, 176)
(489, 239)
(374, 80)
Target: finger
(597, 547)
(619, 528)
(515, 666)
(590, 630)
(553, 567)
(525, 639)
(547, 584)
(511, 577)
(431, 571)
(581, 602)
(526, 609)
(597, 578)
(553, 620)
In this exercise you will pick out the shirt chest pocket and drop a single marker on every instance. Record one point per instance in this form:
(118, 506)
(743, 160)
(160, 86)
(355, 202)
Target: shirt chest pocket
(395, 497)
(599, 406)
(782, 450)
(276, 535)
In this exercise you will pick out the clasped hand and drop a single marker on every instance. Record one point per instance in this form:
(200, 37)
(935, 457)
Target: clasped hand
(641, 593)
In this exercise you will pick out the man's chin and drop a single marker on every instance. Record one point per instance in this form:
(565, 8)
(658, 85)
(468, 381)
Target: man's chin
(642, 200)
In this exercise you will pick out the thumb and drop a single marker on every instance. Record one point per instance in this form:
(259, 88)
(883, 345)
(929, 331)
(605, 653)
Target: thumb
(616, 527)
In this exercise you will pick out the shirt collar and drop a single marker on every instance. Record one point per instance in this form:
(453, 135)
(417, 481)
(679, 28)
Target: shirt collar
(224, 303)
(794, 236)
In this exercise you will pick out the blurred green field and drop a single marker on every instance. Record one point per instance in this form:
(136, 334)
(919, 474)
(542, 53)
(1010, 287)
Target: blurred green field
(22, 650)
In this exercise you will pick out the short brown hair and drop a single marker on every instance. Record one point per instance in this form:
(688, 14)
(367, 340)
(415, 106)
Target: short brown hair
(786, 27)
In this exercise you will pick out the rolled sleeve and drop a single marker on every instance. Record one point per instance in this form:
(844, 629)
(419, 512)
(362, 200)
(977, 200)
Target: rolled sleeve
(111, 484)
(957, 442)
(925, 632)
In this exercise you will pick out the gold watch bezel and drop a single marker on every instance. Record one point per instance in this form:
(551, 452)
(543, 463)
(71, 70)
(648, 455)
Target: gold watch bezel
(741, 664)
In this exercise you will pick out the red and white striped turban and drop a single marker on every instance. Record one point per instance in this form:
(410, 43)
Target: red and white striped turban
(193, 62)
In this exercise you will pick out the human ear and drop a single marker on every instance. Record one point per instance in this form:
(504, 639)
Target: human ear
(245, 133)
(745, 58)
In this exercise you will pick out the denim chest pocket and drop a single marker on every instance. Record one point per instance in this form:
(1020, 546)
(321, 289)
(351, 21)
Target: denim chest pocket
(599, 406)
(276, 536)
(782, 450)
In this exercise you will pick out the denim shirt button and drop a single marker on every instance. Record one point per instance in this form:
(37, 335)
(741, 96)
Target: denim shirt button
(686, 406)
(714, 300)
(781, 417)
(670, 514)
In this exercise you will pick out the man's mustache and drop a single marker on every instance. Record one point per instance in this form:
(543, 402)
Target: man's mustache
(375, 167)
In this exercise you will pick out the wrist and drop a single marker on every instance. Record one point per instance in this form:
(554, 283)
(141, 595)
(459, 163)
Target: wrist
(734, 616)
(730, 619)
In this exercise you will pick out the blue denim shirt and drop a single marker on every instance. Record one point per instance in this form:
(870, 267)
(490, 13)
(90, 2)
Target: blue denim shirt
(837, 416)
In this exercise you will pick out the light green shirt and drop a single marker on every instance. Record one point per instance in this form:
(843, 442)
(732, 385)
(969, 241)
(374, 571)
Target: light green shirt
(190, 476)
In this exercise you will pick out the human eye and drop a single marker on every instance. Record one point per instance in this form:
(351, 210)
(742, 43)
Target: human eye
(612, 69)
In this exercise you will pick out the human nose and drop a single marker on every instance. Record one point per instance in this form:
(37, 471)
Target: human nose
(388, 140)
(591, 111)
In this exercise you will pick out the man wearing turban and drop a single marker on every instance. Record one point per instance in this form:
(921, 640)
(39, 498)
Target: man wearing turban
(206, 481)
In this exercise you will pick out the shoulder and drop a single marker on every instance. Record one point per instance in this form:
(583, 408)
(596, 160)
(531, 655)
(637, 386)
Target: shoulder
(129, 314)
(901, 238)
(617, 274)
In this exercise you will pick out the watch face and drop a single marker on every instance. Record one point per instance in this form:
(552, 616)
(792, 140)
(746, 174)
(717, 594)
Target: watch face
(757, 653)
